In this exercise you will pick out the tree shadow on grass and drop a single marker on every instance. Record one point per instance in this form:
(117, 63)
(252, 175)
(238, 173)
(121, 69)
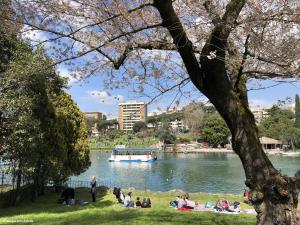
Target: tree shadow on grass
(48, 203)
(142, 216)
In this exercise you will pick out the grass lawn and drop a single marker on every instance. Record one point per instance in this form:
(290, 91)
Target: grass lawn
(46, 211)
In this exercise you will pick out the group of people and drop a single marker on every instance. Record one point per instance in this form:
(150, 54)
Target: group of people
(224, 205)
(183, 202)
(127, 200)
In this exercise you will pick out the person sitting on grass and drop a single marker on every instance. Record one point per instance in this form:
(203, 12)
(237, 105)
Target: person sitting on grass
(146, 203)
(181, 202)
(223, 205)
(128, 203)
(119, 195)
(138, 203)
(246, 196)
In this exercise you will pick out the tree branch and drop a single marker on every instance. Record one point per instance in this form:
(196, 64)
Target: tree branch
(211, 10)
(240, 72)
(181, 41)
(266, 74)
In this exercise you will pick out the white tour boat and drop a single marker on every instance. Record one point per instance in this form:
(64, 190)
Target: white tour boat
(132, 155)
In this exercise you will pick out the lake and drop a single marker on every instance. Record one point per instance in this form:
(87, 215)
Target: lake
(200, 172)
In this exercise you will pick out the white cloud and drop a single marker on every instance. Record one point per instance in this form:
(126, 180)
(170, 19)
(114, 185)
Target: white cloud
(65, 73)
(104, 97)
(34, 36)
(260, 103)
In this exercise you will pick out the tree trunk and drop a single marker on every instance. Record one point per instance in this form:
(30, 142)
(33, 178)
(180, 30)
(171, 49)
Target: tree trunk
(274, 196)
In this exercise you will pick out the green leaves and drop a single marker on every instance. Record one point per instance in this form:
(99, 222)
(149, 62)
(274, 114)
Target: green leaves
(280, 125)
(42, 131)
(215, 130)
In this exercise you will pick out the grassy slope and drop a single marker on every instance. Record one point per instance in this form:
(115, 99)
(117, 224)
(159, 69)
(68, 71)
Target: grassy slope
(45, 211)
(134, 142)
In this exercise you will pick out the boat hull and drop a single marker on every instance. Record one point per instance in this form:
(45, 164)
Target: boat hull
(132, 158)
(290, 153)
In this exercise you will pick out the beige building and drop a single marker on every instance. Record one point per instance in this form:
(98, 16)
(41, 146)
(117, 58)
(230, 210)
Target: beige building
(131, 112)
(93, 115)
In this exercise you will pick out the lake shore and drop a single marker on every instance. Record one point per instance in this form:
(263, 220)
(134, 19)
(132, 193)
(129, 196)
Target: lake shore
(219, 150)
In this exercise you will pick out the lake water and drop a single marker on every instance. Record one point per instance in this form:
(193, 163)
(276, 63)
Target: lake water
(202, 172)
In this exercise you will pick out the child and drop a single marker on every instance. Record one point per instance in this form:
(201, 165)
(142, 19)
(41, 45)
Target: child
(138, 204)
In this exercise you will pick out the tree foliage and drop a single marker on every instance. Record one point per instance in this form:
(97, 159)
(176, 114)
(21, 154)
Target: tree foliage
(215, 131)
(43, 134)
(280, 125)
(139, 126)
(104, 125)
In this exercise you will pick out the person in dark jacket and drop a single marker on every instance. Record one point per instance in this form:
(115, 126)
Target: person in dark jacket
(93, 188)
(138, 203)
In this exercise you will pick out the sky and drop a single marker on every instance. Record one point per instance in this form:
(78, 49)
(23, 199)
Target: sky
(90, 96)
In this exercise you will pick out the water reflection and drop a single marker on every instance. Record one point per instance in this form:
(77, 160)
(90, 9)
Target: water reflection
(131, 165)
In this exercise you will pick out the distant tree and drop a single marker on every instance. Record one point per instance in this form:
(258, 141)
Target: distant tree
(112, 134)
(215, 131)
(91, 122)
(297, 111)
(166, 136)
(154, 121)
(104, 117)
(280, 125)
(139, 126)
(193, 117)
(104, 125)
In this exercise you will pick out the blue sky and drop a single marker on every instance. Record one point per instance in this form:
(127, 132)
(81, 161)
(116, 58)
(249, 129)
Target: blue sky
(82, 94)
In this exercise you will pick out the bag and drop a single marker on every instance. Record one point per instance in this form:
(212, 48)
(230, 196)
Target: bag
(173, 204)
(209, 205)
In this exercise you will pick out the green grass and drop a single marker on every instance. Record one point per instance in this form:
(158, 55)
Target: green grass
(46, 211)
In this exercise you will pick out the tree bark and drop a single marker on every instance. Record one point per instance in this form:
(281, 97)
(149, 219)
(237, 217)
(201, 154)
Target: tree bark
(274, 196)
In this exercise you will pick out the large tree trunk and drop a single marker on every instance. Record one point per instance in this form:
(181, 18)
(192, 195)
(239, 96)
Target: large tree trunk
(274, 196)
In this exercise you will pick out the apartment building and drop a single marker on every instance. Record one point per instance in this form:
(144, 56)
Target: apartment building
(259, 114)
(131, 112)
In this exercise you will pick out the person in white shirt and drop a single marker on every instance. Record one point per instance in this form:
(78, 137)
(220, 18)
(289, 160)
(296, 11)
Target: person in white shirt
(128, 203)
